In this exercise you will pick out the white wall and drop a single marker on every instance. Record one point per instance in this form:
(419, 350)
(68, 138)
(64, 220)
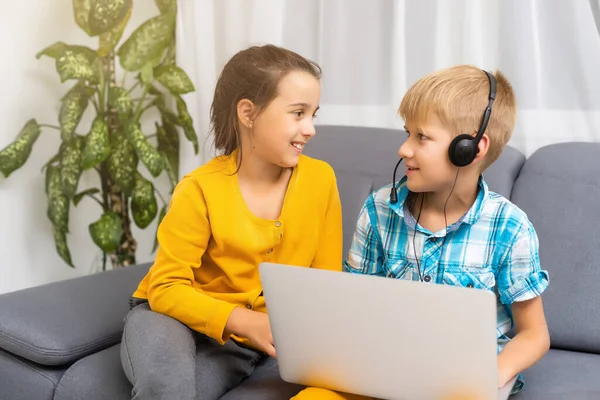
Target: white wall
(30, 88)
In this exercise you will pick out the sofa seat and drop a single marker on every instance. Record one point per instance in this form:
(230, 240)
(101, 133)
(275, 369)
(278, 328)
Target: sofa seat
(561, 375)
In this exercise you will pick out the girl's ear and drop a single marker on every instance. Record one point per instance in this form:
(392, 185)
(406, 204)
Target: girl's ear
(245, 111)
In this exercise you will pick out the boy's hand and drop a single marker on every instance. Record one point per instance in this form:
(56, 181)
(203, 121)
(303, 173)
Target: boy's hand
(252, 325)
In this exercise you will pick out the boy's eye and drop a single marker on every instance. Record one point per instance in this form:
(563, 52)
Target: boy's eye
(422, 137)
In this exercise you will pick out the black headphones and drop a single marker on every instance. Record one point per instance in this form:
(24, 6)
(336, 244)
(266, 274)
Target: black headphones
(464, 148)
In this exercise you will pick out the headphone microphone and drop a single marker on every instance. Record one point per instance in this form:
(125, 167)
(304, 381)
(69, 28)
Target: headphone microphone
(393, 192)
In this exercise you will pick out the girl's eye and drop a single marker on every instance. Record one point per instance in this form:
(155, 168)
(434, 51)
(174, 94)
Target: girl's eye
(298, 113)
(314, 116)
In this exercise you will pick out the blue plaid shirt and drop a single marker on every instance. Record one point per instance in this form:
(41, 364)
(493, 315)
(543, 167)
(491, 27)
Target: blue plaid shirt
(492, 247)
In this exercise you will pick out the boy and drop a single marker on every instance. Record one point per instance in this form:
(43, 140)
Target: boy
(441, 224)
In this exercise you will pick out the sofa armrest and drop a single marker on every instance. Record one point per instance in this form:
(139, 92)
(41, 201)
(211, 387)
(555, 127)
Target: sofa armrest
(61, 322)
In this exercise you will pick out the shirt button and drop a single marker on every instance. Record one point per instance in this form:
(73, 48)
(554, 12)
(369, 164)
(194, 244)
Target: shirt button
(277, 224)
(427, 278)
(470, 285)
(433, 239)
(248, 306)
(270, 251)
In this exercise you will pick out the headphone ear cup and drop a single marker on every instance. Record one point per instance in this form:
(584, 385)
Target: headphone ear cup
(462, 150)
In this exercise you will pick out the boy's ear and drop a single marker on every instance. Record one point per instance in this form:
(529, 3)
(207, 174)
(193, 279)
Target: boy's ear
(483, 146)
(245, 111)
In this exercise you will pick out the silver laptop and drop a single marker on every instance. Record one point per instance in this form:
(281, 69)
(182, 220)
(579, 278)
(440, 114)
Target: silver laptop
(382, 337)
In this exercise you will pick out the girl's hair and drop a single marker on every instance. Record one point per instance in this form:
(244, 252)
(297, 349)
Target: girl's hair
(253, 74)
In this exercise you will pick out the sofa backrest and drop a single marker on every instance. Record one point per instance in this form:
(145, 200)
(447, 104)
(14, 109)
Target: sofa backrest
(559, 189)
(364, 160)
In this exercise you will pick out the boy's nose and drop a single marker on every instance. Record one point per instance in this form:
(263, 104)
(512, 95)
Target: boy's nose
(405, 150)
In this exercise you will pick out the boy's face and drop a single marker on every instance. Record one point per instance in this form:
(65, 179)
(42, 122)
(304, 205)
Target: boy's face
(425, 154)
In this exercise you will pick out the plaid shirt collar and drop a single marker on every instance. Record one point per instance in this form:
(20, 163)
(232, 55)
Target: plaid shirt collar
(470, 217)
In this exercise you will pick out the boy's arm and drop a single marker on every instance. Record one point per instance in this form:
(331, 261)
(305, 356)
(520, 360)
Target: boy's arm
(521, 282)
(366, 255)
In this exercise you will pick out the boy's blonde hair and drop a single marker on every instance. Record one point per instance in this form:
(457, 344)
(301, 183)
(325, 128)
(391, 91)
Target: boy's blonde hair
(458, 96)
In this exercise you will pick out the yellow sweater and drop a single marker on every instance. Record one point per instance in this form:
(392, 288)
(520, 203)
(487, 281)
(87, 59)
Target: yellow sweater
(211, 244)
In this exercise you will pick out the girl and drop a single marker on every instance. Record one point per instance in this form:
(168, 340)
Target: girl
(198, 324)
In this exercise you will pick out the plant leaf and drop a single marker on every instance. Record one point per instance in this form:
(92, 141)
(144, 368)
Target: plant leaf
(147, 43)
(161, 215)
(71, 167)
(13, 156)
(147, 74)
(55, 158)
(53, 51)
(168, 144)
(144, 149)
(143, 202)
(120, 100)
(186, 122)
(73, 106)
(58, 204)
(97, 144)
(106, 14)
(81, 11)
(62, 248)
(174, 78)
(122, 164)
(79, 196)
(76, 62)
(166, 6)
(109, 39)
(106, 232)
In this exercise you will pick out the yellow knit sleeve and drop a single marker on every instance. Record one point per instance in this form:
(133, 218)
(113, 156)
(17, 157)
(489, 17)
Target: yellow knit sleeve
(329, 253)
(183, 237)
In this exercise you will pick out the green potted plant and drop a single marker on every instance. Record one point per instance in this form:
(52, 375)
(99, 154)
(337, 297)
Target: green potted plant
(113, 146)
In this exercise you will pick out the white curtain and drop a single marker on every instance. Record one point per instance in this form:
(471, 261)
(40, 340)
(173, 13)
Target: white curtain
(371, 51)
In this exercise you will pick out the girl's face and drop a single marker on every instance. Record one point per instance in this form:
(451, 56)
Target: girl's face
(281, 130)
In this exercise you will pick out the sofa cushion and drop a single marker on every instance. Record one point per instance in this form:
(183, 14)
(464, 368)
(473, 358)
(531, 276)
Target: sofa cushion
(364, 160)
(58, 323)
(21, 379)
(562, 375)
(559, 188)
(96, 377)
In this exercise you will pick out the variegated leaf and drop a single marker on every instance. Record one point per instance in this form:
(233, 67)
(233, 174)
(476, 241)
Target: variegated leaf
(186, 122)
(174, 78)
(161, 215)
(13, 156)
(52, 51)
(106, 232)
(58, 203)
(122, 164)
(107, 14)
(166, 6)
(71, 152)
(168, 144)
(81, 11)
(62, 248)
(143, 202)
(144, 149)
(88, 192)
(147, 43)
(120, 100)
(73, 106)
(109, 39)
(97, 144)
(75, 62)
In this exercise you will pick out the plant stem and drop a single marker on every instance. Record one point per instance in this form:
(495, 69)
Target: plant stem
(103, 261)
(138, 110)
(50, 126)
(150, 136)
(124, 79)
(133, 87)
(95, 105)
(97, 201)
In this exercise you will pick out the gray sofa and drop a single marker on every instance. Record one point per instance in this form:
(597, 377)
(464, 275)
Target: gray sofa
(61, 341)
